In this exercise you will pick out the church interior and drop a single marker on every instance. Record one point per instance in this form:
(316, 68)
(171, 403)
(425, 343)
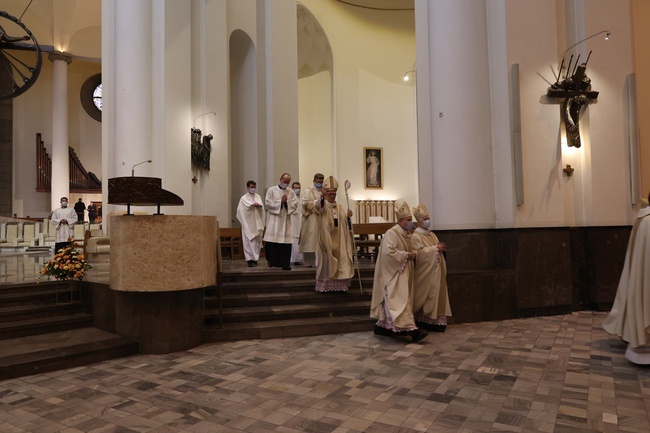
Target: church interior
(520, 124)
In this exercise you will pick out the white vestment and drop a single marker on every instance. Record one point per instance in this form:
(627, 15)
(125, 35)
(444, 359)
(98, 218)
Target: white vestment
(430, 296)
(250, 216)
(335, 265)
(310, 199)
(630, 314)
(296, 224)
(64, 231)
(278, 217)
(392, 290)
(250, 213)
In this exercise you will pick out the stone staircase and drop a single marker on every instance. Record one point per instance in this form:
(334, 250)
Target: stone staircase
(270, 303)
(48, 326)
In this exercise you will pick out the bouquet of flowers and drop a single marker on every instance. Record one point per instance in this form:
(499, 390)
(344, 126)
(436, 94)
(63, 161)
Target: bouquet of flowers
(67, 264)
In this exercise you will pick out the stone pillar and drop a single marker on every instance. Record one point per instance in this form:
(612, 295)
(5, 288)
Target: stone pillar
(280, 68)
(454, 113)
(147, 94)
(133, 72)
(60, 161)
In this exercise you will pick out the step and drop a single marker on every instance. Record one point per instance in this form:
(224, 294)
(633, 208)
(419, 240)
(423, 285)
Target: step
(278, 275)
(264, 286)
(234, 300)
(27, 288)
(21, 313)
(286, 312)
(47, 296)
(44, 325)
(288, 328)
(59, 350)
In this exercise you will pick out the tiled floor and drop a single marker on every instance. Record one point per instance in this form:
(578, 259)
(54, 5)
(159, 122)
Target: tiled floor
(547, 374)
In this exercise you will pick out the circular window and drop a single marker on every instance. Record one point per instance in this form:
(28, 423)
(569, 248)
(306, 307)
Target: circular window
(97, 97)
(91, 97)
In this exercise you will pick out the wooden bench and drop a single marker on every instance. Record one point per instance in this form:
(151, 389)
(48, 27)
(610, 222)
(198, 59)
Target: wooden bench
(367, 237)
(231, 243)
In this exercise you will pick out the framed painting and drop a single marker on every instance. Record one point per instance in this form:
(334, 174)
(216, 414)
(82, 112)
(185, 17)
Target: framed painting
(373, 164)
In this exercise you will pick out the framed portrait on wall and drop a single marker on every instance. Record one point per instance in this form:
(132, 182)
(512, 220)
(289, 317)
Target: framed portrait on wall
(373, 164)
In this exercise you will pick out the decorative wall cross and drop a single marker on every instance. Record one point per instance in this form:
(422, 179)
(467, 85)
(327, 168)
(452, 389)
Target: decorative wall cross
(573, 92)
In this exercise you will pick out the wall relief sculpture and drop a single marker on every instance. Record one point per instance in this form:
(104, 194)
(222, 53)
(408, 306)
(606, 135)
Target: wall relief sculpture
(573, 92)
(201, 149)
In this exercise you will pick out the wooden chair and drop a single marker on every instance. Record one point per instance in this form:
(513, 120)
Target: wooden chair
(368, 238)
(231, 243)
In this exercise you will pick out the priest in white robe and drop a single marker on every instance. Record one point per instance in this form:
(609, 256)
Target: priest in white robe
(250, 214)
(296, 223)
(630, 314)
(392, 290)
(281, 203)
(430, 296)
(63, 220)
(335, 264)
(310, 202)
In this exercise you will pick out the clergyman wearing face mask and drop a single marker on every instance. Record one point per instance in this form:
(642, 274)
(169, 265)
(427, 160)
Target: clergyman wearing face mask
(280, 202)
(310, 202)
(63, 220)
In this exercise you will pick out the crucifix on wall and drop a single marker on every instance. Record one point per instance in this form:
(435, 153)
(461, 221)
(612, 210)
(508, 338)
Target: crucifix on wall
(573, 92)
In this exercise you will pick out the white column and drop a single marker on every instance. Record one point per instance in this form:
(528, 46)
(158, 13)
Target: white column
(281, 89)
(454, 113)
(60, 163)
(133, 87)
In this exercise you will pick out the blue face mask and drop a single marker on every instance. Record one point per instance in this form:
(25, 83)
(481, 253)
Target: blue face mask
(319, 185)
(297, 191)
(426, 224)
(409, 226)
(252, 190)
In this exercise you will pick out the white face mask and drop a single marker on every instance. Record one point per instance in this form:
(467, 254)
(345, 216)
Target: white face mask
(426, 224)
(252, 190)
(64, 204)
(283, 185)
(297, 191)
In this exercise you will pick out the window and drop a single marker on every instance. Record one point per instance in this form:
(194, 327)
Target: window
(91, 97)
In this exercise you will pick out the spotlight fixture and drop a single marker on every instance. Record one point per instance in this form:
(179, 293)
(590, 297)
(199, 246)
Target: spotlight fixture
(607, 35)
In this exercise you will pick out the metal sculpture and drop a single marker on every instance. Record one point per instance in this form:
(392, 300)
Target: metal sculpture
(20, 57)
(201, 150)
(575, 92)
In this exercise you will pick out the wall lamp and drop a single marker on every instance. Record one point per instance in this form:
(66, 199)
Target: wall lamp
(407, 74)
(607, 35)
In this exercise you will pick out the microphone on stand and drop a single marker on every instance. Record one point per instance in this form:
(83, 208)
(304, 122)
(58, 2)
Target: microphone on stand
(139, 163)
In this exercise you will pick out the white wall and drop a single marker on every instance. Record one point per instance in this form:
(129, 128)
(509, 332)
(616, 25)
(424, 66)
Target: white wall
(316, 127)
(597, 192)
(373, 107)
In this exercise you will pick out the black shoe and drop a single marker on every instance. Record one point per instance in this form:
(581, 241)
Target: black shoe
(438, 328)
(250, 263)
(286, 268)
(297, 263)
(255, 262)
(383, 331)
(270, 265)
(418, 334)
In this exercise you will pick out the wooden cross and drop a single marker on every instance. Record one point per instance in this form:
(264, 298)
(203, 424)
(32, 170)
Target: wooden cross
(568, 170)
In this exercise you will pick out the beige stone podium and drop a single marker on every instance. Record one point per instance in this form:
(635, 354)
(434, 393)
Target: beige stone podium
(160, 267)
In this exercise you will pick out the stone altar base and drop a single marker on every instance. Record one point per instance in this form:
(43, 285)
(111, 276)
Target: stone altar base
(160, 266)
